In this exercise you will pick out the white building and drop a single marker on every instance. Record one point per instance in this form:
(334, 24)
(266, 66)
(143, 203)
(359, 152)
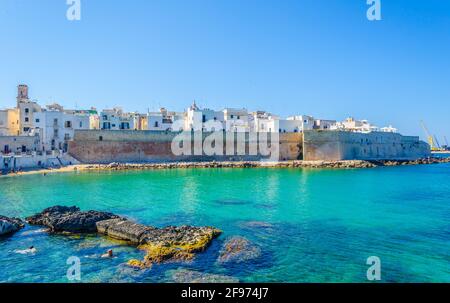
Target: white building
(261, 121)
(27, 110)
(236, 120)
(116, 119)
(165, 120)
(362, 126)
(389, 129)
(9, 122)
(323, 124)
(352, 125)
(56, 127)
(306, 122)
(290, 126)
(203, 119)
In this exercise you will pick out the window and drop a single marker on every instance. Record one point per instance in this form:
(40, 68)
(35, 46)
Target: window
(105, 117)
(27, 119)
(156, 124)
(68, 124)
(37, 120)
(27, 110)
(231, 116)
(100, 138)
(238, 117)
(203, 118)
(124, 125)
(81, 124)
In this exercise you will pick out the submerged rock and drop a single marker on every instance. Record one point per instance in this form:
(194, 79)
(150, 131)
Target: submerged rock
(237, 250)
(69, 219)
(10, 225)
(257, 224)
(191, 276)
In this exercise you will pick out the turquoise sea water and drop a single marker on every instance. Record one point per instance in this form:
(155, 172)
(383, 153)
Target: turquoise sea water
(319, 225)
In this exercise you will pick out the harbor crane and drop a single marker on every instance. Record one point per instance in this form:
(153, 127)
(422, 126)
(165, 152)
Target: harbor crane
(434, 144)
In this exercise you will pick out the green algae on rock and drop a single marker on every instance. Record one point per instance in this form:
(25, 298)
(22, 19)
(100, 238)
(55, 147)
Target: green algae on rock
(167, 244)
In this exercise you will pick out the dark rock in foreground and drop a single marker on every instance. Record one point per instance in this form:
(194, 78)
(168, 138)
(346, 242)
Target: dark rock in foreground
(161, 244)
(191, 276)
(169, 244)
(10, 225)
(122, 229)
(237, 250)
(69, 219)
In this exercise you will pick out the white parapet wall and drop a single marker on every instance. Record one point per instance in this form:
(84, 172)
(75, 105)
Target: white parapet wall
(343, 145)
(17, 162)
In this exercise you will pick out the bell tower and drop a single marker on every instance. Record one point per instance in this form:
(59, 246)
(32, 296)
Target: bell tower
(22, 94)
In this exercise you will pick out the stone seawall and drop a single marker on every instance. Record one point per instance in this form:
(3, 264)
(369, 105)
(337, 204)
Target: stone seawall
(339, 145)
(102, 147)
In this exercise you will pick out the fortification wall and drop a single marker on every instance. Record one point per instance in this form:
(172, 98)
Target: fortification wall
(107, 146)
(338, 145)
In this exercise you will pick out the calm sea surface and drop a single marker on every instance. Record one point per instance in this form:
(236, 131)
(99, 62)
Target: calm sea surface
(311, 225)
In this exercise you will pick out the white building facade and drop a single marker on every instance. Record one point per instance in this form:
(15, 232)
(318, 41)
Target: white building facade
(27, 110)
(56, 127)
(197, 119)
(236, 120)
(165, 121)
(116, 119)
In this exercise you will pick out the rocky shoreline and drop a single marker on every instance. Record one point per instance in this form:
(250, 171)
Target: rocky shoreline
(169, 244)
(161, 245)
(344, 164)
(262, 164)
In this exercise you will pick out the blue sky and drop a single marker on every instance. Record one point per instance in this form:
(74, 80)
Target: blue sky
(318, 57)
